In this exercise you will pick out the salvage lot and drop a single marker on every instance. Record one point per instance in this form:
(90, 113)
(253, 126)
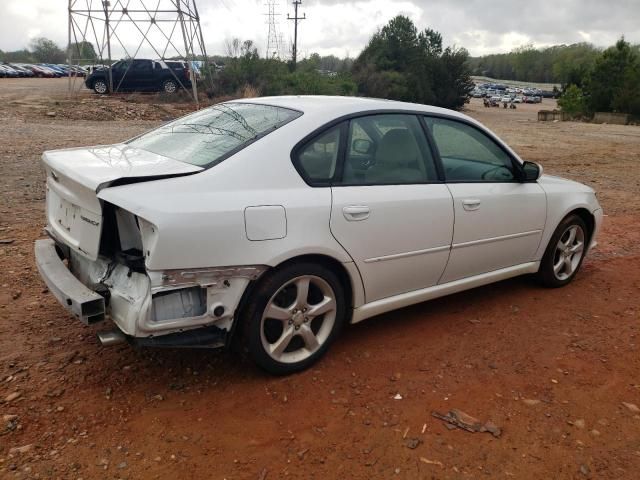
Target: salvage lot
(552, 368)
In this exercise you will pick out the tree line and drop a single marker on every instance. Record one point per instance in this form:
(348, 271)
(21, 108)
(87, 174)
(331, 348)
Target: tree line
(557, 64)
(610, 84)
(43, 50)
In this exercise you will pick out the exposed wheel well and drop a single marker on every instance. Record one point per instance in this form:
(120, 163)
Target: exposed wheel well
(331, 263)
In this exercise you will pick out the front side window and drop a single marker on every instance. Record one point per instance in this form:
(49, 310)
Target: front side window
(387, 149)
(469, 155)
(121, 66)
(207, 136)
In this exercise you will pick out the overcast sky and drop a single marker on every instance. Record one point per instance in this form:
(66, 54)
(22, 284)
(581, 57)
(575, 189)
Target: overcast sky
(341, 27)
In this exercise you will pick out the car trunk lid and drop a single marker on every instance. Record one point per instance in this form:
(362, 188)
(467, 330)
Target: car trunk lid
(75, 176)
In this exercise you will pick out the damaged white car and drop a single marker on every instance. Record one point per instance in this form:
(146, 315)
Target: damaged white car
(281, 219)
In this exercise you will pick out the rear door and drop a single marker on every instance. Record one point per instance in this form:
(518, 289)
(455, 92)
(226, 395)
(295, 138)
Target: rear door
(389, 210)
(499, 220)
(141, 76)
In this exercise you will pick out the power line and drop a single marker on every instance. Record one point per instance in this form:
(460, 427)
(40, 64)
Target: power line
(296, 19)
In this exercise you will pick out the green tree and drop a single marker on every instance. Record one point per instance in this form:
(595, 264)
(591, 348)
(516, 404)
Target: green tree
(610, 85)
(572, 64)
(46, 51)
(572, 101)
(401, 63)
(244, 68)
(82, 52)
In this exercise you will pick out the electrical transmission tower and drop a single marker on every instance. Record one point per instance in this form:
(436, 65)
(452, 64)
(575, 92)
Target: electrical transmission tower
(128, 28)
(296, 19)
(274, 40)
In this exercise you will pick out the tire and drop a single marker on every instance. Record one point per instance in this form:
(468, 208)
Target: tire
(564, 254)
(100, 87)
(170, 87)
(281, 333)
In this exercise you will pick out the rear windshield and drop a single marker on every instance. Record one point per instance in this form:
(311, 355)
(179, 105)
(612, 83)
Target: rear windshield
(208, 136)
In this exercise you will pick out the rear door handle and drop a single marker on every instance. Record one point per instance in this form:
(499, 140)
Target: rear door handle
(356, 213)
(471, 204)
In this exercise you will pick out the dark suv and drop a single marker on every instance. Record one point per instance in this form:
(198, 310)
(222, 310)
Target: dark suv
(141, 75)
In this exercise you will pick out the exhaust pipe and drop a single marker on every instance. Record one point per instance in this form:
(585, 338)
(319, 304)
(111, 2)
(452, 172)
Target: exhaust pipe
(111, 337)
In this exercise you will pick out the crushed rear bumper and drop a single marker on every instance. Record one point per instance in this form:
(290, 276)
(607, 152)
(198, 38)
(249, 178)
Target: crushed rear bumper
(81, 301)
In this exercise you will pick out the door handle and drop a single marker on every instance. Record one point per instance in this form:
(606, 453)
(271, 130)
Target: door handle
(471, 204)
(356, 213)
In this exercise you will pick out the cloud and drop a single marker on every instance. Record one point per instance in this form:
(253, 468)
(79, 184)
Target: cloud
(343, 27)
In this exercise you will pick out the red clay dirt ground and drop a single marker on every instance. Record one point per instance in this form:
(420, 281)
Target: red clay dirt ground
(552, 368)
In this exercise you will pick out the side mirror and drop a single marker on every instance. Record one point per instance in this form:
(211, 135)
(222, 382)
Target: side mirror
(362, 146)
(532, 171)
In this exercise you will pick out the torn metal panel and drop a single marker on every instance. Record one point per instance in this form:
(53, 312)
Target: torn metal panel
(206, 277)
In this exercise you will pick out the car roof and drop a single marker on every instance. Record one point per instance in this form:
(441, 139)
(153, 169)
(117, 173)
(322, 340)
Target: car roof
(335, 106)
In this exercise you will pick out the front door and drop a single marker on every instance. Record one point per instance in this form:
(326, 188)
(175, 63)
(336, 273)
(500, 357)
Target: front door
(499, 220)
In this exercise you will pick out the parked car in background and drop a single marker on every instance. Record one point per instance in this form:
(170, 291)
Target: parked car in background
(6, 71)
(17, 70)
(281, 219)
(44, 71)
(59, 71)
(25, 71)
(91, 68)
(139, 75)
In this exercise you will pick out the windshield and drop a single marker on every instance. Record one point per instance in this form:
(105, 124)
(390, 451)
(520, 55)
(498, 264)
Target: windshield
(208, 136)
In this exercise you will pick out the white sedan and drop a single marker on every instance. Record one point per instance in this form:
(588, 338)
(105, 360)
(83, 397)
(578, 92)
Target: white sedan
(275, 221)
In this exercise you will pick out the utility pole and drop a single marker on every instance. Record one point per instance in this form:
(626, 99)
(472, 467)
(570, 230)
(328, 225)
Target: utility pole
(296, 19)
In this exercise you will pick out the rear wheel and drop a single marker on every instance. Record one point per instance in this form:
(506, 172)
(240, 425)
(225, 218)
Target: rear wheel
(565, 253)
(100, 86)
(169, 86)
(294, 315)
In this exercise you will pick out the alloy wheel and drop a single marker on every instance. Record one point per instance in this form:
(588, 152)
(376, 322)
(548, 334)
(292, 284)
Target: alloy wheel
(100, 87)
(569, 252)
(298, 319)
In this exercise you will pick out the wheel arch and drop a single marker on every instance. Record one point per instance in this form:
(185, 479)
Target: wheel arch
(349, 279)
(587, 217)
(336, 267)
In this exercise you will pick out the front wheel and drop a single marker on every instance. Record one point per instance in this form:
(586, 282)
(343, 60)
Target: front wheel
(100, 87)
(564, 254)
(294, 315)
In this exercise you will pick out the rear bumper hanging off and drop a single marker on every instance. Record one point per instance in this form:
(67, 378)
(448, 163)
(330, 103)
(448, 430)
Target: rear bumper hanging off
(81, 301)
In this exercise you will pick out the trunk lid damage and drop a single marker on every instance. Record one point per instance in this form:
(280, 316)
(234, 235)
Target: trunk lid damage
(75, 176)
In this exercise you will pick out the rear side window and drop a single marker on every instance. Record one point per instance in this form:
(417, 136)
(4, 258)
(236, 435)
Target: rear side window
(207, 137)
(318, 158)
(468, 154)
(388, 149)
